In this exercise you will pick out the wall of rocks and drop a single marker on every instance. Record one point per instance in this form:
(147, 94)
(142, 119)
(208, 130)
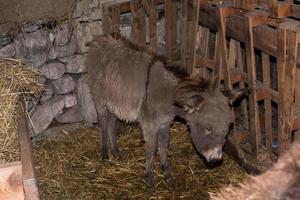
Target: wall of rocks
(58, 50)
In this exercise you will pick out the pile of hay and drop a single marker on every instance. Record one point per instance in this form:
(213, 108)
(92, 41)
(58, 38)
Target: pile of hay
(70, 168)
(16, 79)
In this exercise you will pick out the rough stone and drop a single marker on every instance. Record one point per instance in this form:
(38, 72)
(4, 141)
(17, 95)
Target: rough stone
(30, 27)
(4, 41)
(70, 100)
(54, 70)
(65, 50)
(75, 64)
(63, 85)
(87, 107)
(8, 51)
(33, 47)
(85, 33)
(71, 115)
(45, 113)
(47, 94)
(62, 35)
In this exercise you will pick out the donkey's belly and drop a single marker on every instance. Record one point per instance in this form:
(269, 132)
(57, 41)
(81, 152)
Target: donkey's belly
(128, 112)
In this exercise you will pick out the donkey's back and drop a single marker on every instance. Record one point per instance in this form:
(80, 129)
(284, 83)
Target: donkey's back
(117, 76)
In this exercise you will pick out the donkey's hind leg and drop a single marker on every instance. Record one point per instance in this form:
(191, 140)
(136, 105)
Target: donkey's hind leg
(163, 143)
(107, 127)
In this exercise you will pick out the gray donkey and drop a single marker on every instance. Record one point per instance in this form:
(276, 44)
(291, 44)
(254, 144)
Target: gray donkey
(134, 85)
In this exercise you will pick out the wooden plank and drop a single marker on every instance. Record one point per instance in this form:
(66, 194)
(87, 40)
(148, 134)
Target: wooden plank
(265, 37)
(138, 23)
(202, 48)
(240, 65)
(29, 181)
(223, 48)
(125, 6)
(11, 184)
(267, 102)
(253, 107)
(189, 25)
(295, 11)
(152, 25)
(272, 7)
(106, 18)
(115, 21)
(292, 35)
(170, 26)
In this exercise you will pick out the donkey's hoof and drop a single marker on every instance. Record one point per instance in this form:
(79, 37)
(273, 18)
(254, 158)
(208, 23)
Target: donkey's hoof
(149, 179)
(116, 154)
(168, 179)
(104, 154)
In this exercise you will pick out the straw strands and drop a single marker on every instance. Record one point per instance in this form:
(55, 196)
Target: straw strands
(70, 168)
(16, 79)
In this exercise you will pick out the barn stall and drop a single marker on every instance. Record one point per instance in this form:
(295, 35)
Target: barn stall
(243, 44)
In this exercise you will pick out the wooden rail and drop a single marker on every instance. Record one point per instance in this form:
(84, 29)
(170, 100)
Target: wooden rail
(17, 180)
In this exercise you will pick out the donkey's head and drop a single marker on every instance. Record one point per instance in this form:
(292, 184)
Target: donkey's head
(208, 114)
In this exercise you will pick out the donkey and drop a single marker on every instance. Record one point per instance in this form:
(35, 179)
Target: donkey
(282, 181)
(134, 85)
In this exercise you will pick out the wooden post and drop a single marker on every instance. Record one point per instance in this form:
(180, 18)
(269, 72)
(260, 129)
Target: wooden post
(138, 23)
(251, 68)
(106, 18)
(29, 181)
(115, 12)
(267, 102)
(170, 27)
(11, 185)
(203, 47)
(189, 25)
(153, 25)
(291, 31)
(223, 48)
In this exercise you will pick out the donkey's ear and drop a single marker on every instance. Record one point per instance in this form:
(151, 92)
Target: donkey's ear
(190, 103)
(235, 96)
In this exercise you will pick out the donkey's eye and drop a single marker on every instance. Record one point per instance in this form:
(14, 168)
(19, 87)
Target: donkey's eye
(207, 131)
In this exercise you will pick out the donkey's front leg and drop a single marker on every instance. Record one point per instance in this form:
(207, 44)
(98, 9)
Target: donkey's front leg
(150, 137)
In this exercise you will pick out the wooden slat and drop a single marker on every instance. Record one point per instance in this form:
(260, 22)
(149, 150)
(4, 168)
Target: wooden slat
(138, 23)
(170, 26)
(267, 102)
(115, 22)
(253, 107)
(152, 25)
(11, 184)
(189, 24)
(125, 6)
(292, 35)
(106, 18)
(240, 65)
(29, 181)
(223, 48)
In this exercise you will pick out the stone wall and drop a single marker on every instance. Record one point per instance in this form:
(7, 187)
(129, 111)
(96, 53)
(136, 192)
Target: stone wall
(58, 50)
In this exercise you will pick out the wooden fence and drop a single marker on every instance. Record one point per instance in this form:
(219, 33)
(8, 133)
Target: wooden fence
(232, 41)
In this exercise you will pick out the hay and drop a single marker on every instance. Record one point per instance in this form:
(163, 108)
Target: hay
(16, 79)
(70, 168)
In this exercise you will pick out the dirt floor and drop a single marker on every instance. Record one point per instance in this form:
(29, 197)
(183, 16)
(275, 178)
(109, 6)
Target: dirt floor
(70, 168)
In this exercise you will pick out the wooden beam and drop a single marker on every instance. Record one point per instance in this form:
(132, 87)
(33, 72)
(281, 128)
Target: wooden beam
(265, 37)
(11, 184)
(29, 181)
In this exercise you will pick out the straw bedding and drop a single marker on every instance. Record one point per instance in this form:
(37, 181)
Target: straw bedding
(69, 167)
(16, 80)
